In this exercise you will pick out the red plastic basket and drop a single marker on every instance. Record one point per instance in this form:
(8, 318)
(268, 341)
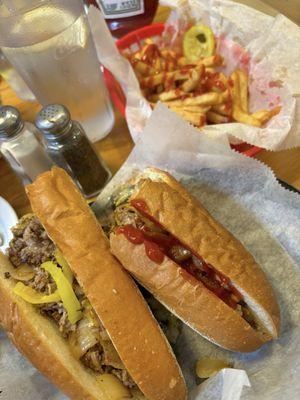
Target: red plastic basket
(136, 38)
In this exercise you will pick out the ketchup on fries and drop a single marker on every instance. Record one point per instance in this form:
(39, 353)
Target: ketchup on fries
(191, 84)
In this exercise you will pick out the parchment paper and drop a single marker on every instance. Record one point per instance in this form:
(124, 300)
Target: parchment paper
(273, 45)
(244, 195)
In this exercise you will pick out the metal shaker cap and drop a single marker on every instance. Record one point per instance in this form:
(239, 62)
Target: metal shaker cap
(53, 120)
(10, 122)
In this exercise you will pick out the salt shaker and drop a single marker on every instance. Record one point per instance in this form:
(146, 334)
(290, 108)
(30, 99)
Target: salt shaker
(20, 146)
(68, 146)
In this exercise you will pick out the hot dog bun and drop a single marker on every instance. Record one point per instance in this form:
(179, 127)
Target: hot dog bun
(186, 298)
(136, 335)
(182, 215)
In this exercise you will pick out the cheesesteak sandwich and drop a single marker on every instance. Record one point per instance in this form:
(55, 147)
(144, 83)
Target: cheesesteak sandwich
(171, 245)
(69, 306)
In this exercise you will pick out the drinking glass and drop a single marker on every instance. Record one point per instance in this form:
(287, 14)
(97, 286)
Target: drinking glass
(49, 43)
(14, 80)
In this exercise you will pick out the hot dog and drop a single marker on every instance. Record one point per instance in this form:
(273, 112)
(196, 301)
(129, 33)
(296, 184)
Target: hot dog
(171, 245)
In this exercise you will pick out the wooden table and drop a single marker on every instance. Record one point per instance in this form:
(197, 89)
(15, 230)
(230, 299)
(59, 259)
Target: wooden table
(115, 148)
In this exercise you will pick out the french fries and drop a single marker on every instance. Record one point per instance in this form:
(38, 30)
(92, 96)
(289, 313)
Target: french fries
(206, 99)
(224, 109)
(194, 80)
(194, 109)
(196, 119)
(166, 78)
(243, 86)
(143, 69)
(213, 61)
(197, 91)
(265, 115)
(171, 95)
(216, 118)
(240, 113)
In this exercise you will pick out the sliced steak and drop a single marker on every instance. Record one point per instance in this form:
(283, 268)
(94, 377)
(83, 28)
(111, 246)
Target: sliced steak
(30, 244)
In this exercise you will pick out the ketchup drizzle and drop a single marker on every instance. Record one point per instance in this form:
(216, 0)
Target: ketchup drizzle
(154, 252)
(136, 236)
(158, 245)
(151, 54)
(140, 205)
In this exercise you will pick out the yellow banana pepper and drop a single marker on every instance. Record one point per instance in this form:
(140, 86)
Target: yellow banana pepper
(33, 297)
(65, 266)
(65, 291)
(113, 387)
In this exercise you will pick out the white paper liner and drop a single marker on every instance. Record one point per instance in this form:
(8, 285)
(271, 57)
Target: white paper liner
(274, 48)
(245, 197)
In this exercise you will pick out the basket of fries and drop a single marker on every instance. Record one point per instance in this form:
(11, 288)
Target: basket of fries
(196, 89)
(132, 41)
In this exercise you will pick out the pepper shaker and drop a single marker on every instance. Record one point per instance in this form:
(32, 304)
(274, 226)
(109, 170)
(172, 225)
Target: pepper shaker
(20, 147)
(68, 146)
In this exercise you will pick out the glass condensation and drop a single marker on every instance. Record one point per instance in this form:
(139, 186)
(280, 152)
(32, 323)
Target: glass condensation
(49, 43)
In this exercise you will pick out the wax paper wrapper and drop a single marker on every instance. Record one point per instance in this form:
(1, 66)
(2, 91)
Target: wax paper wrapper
(245, 197)
(267, 47)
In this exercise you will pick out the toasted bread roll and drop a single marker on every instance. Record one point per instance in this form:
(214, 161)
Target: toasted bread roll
(116, 300)
(163, 201)
(187, 298)
(39, 340)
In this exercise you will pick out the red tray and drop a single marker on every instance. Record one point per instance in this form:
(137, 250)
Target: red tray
(136, 38)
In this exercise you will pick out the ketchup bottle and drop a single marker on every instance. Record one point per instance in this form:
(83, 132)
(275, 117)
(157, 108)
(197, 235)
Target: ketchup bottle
(125, 16)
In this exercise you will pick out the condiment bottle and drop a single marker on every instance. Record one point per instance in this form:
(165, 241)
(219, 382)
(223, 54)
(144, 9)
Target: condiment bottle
(20, 146)
(67, 144)
(123, 17)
